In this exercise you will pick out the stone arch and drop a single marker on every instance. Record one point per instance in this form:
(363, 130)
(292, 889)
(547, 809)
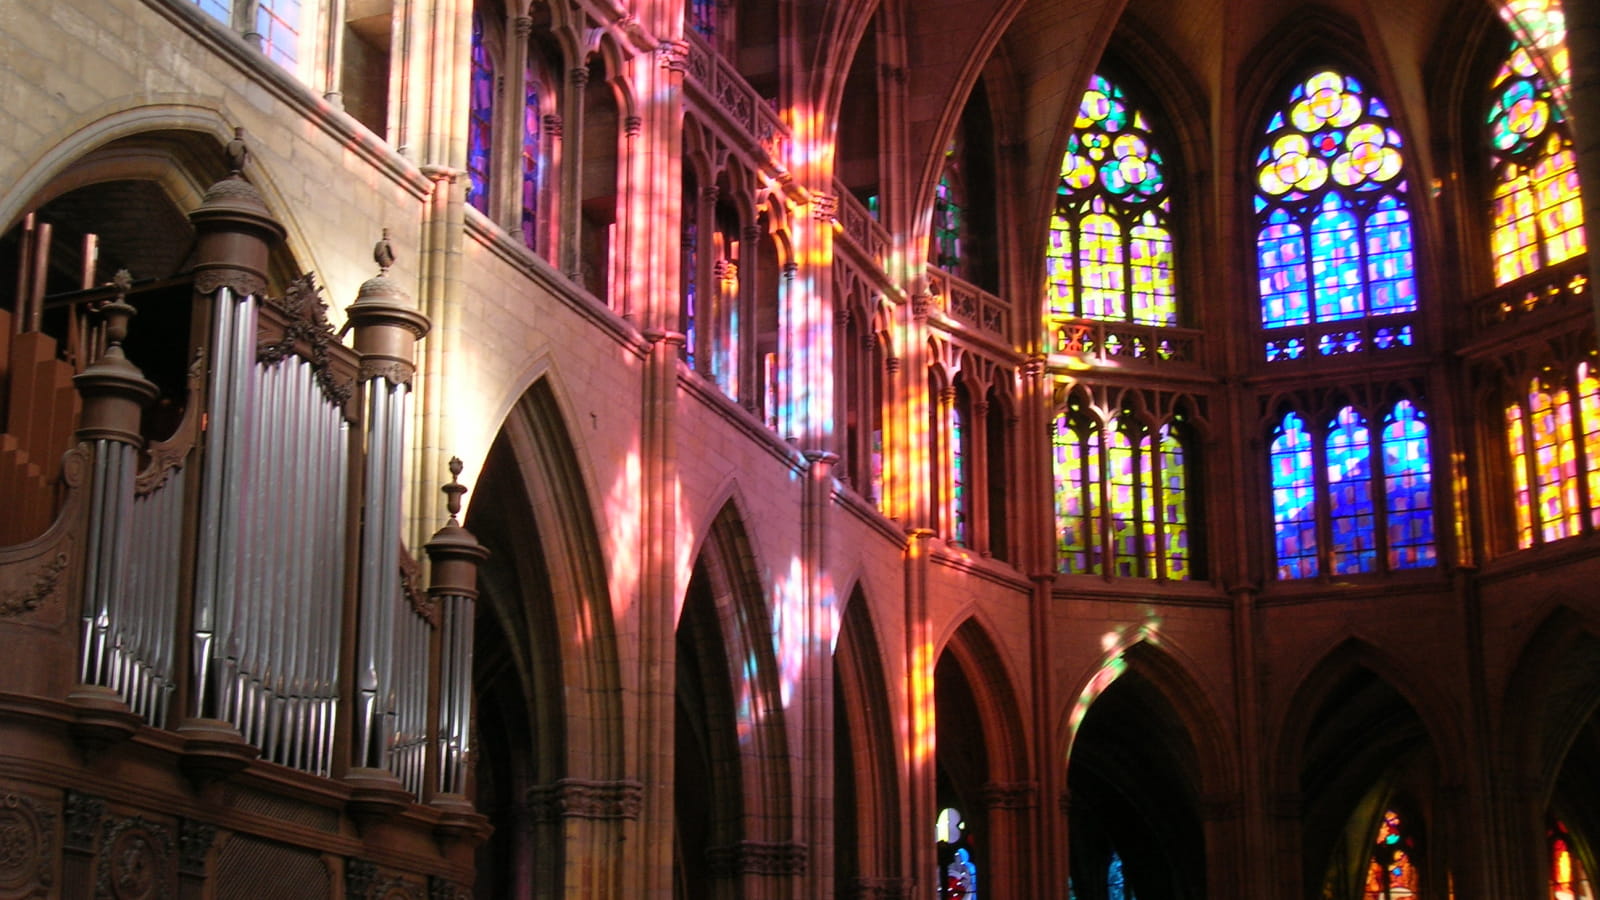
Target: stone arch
(732, 746)
(1148, 773)
(546, 675)
(1361, 727)
(1552, 742)
(867, 824)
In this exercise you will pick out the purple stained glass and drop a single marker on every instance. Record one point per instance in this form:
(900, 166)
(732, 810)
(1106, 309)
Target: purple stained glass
(480, 122)
(530, 161)
(1352, 518)
(1408, 490)
(1293, 500)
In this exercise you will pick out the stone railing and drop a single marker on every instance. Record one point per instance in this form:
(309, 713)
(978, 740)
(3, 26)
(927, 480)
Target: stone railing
(859, 226)
(1349, 337)
(718, 84)
(968, 304)
(1125, 343)
(1562, 286)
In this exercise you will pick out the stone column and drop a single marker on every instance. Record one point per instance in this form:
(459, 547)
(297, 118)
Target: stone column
(978, 477)
(572, 174)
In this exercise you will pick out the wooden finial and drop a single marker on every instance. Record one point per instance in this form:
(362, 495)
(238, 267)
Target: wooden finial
(454, 489)
(383, 253)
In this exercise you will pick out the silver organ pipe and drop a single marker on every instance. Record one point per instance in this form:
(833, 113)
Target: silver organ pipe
(455, 694)
(270, 570)
(455, 555)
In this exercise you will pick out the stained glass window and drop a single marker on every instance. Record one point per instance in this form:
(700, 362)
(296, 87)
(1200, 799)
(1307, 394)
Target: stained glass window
(480, 121)
(1535, 207)
(1391, 872)
(958, 469)
(1293, 492)
(531, 122)
(958, 873)
(1117, 880)
(947, 214)
(703, 16)
(1110, 250)
(1135, 518)
(1568, 879)
(1334, 239)
(1554, 444)
(1350, 494)
(1407, 488)
(1375, 518)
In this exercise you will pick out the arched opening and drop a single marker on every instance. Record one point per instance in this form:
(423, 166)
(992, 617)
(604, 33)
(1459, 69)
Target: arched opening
(866, 829)
(1134, 786)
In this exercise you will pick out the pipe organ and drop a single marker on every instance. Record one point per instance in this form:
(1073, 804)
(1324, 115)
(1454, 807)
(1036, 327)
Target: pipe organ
(243, 582)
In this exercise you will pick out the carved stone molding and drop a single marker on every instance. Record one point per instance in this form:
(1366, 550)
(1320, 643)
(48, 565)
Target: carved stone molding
(757, 858)
(39, 587)
(921, 304)
(632, 125)
(136, 862)
(572, 798)
(1018, 795)
(552, 125)
(524, 27)
(83, 816)
(892, 364)
(27, 832)
(578, 76)
(673, 55)
(825, 207)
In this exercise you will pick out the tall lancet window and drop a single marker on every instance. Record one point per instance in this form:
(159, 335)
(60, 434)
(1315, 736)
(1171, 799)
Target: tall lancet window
(1110, 252)
(480, 121)
(530, 160)
(1553, 434)
(1535, 209)
(1333, 240)
(948, 202)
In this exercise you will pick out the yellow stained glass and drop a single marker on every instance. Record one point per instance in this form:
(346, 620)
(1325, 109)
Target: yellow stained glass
(1516, 443)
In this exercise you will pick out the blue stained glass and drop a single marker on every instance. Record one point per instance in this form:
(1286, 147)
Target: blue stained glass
(1336, 262)
(1407, 488)
(481, 119)
(1350, 494)
(1117, 880)
(1283, 272)
(530, 161)
(1330, 186)
(1293, 500)
(1390, 266)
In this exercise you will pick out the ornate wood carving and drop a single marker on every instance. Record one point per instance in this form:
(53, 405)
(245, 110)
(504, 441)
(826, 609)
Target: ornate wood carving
(42, 587)
(301, 328)
(27, 832)
(137, 861)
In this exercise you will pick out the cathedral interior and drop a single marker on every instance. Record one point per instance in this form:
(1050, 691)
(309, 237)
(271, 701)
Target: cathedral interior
(683, 449)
